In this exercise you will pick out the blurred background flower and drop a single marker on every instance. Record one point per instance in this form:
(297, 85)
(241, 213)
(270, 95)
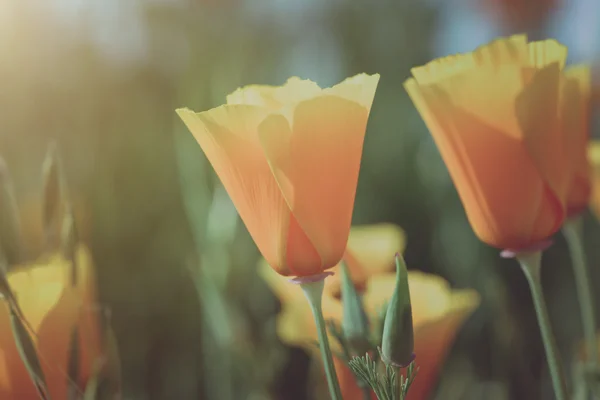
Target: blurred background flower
(437, 310)
(54, 308)
(191, 316)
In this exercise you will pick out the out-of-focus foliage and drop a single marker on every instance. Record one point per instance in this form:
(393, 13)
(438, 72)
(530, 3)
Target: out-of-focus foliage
(191, 316)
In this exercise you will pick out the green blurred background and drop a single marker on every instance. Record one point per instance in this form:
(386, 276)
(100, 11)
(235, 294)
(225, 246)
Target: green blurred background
(174, 263)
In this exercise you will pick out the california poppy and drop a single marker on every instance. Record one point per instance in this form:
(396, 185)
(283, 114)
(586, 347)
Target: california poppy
(289, 158)
(52, 307)
(495, 115)
(438, 313)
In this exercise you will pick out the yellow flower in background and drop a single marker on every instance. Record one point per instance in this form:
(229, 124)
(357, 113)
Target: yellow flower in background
(289, 159)
(368, 253)
(53, 308)
(495, 115)
(594, 159)
(438, 311)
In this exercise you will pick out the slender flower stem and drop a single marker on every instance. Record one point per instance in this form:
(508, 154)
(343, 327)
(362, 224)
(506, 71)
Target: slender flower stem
(531, 266)
(572, 230)
(314, 294)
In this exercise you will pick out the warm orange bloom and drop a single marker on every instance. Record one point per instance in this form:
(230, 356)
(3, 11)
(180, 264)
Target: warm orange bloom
(576, 118)
(594, 158)
(495, 117)
(289, 158)
(438, 312)
(52, 307)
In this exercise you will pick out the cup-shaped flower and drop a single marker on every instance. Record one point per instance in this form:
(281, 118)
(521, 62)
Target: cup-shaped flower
(53, 308)
(576, 101)
(289, 159)
(495, 115)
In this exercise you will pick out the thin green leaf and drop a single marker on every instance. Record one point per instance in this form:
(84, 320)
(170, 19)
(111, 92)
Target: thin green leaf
(10, 226)
(28, 354)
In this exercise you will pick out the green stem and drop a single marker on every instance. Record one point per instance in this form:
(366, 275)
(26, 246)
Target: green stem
(314, 294)
(572, 230)
(531, 266)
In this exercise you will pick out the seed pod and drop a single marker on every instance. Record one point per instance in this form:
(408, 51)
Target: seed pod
(397, 347)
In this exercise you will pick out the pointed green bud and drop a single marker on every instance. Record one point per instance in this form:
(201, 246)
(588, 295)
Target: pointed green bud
(398, 342)
(10, 226)
(355, 324)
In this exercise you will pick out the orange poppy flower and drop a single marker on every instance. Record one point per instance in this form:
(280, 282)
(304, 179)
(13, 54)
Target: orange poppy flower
(495, 117)
(53, 308)
(576, 119)
(289, 158)
(438, 312)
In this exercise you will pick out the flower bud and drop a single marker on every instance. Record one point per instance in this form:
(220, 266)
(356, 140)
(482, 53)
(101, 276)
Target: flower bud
(398, 339)
(355, 325)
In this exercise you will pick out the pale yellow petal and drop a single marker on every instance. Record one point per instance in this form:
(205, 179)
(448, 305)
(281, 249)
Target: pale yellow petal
(375, 246)
(316, 162)
(359, 88)
(283, 289)
(431, 296)
(498, 52)
(275, 97)
(229, 138)
(545, 52)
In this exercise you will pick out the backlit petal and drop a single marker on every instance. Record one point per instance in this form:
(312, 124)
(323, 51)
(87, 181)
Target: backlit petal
(228, 136)
(275, 97)
(316, 162)
(496, 53)
(360, 89)
(501, 188)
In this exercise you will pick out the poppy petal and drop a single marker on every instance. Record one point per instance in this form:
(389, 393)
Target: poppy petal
(229, 138)
(316, 162)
